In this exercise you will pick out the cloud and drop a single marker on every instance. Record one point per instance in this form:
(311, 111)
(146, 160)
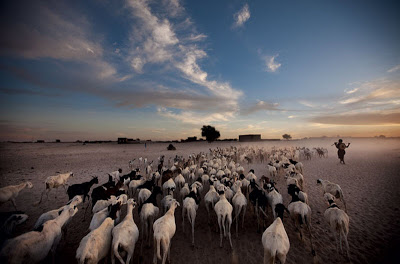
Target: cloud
(270, 63)
(52, 31)
(374, 118)
(166, 98)
(193, 118)
(351, 91)
(173, 7)
(242, 16)
(46, 33)
(375, 102)
(306, 103)
(153, 38)
(155, 41)
(198, 37)
(394, 69)
(374, 91)
(162, 48)
(261, 106)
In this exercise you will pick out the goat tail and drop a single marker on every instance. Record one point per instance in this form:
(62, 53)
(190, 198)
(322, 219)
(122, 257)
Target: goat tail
(158, 245)
(116, 253)
(189, 215)
(224, 224)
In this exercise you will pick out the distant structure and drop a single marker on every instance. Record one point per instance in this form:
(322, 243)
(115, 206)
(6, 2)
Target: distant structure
(127, 141)
(249, 138)
(58, 141)
(189, 139)
(122, 140)
(40, 141)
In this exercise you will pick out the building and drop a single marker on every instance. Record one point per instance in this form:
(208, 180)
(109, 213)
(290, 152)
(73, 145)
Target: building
(122, 140)
(249, 138)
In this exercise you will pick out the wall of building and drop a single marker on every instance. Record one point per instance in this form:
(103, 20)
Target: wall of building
(249, 138)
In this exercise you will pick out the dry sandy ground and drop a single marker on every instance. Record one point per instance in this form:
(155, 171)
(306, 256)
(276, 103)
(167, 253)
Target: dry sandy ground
(370, 181)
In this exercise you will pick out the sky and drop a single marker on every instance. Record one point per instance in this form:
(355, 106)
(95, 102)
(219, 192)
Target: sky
(161, 69)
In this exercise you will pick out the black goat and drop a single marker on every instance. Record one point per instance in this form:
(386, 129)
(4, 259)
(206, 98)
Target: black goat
(152, 198)
(81, 189)
(259, 200)
(148, 184)
(104, 193)
(8, 222)
(110, 182)
(113, 209)
(131, 175)
(195, 195)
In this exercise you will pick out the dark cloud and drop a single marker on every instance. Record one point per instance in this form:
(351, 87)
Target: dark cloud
(21, 91)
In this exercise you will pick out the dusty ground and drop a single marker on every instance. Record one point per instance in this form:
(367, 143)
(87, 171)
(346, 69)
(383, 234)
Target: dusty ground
(370, 181)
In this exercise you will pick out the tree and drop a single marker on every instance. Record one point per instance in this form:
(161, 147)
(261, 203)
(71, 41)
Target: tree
(287, 136)
(210, 133)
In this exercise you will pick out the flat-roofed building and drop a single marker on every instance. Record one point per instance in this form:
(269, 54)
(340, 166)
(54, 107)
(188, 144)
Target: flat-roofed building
(249, 138)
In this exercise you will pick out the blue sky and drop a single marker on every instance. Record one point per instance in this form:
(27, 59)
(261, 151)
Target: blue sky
(161, 69)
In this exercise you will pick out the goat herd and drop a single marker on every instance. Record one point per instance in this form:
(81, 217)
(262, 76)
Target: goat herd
(180, 182)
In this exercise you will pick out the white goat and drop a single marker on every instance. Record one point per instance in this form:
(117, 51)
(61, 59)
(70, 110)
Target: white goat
(185, 173)
(133, 186)
(164, 230)
(334, 189)
(240, 204)
(99, 217)
(184, 191)
(125, 235)
(179, 181)
(271, 171)
(144, 194)
(338, 220)
(166, 202)
(275, 239)
(101, 204)
(300, 212)
(224, 209)
(168, 186)
(297, 176)
(299, 166)
(274, 198)
(148, 215)
(33, 247)
(95, 245)
(205, 178)
(52, 182)
(53, 214)
(190, 205)
(9, 193)
(210, 199)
